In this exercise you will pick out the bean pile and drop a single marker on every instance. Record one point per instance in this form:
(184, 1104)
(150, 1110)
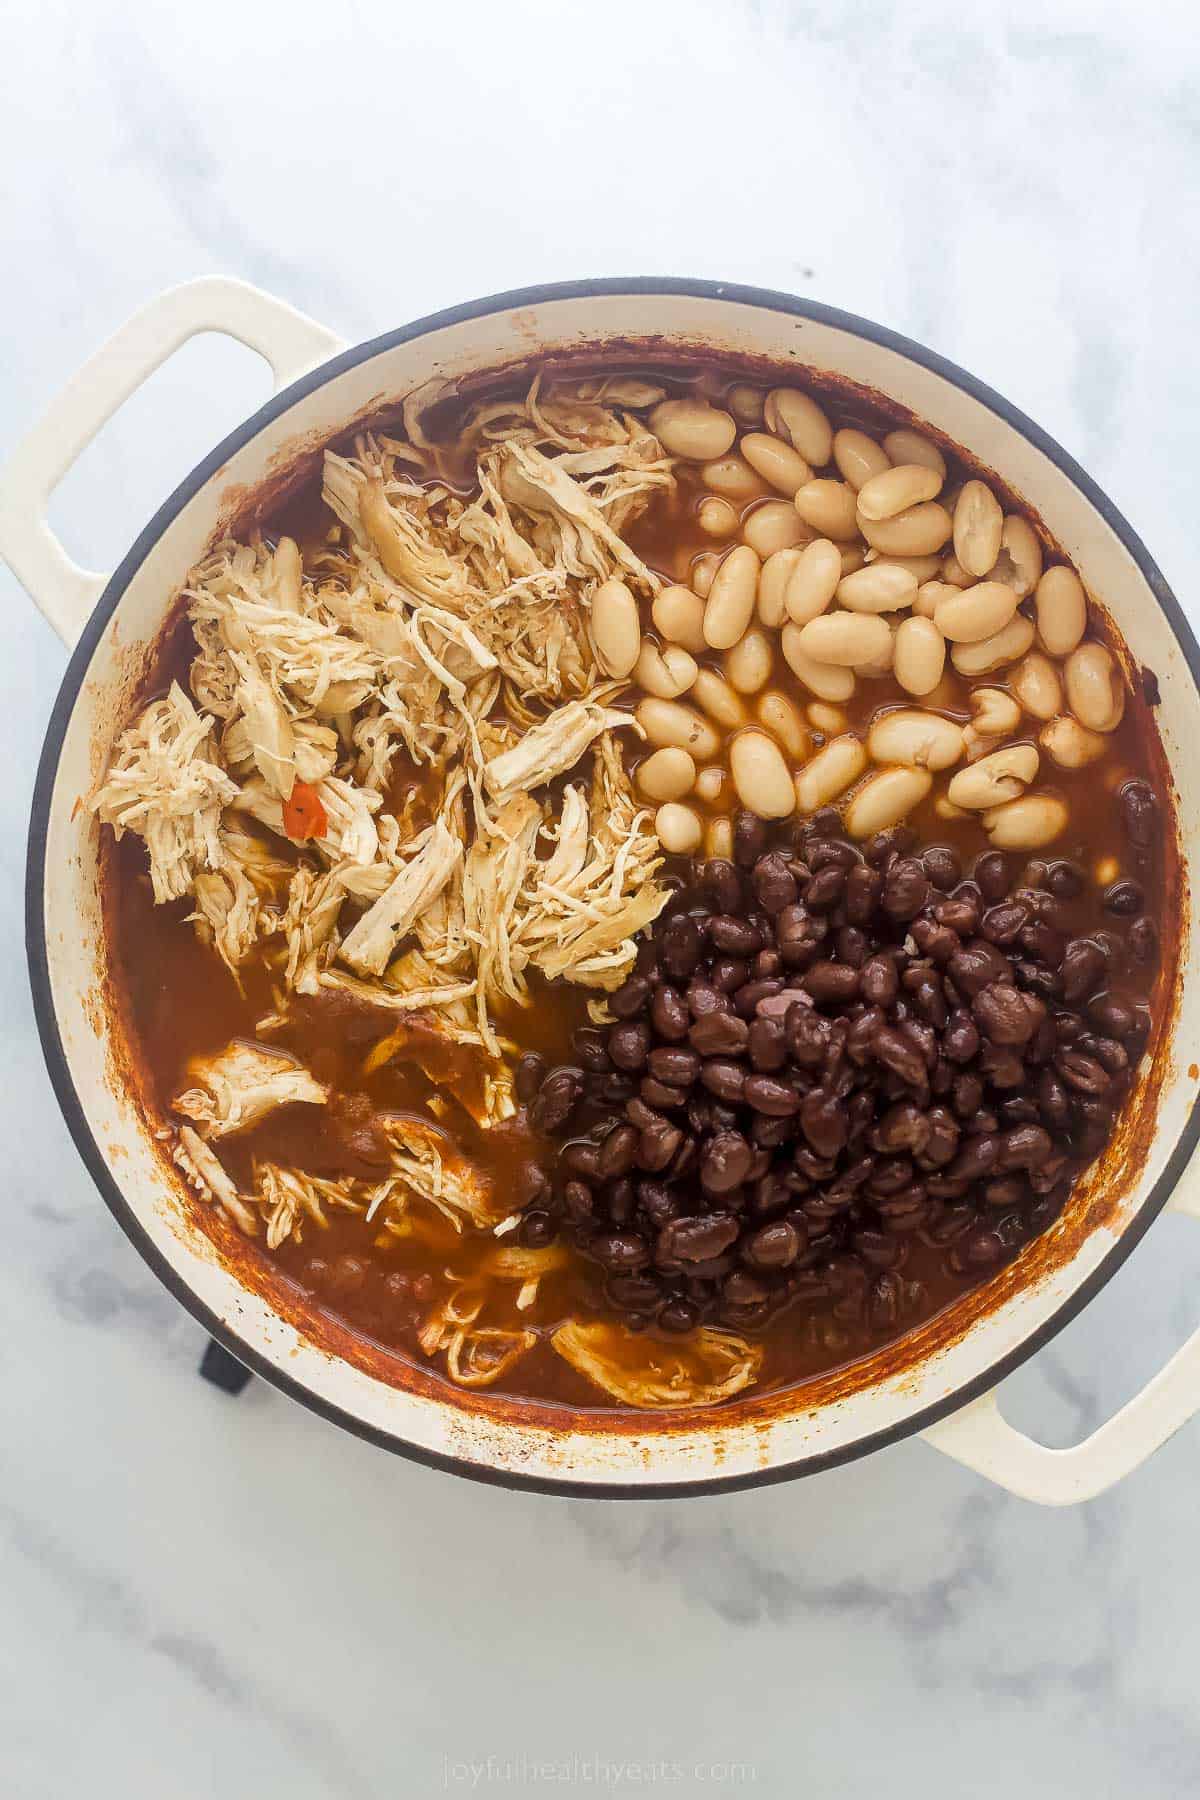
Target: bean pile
(829, 1052)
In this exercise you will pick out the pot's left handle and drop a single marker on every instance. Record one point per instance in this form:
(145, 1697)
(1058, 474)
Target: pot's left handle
(980, 1437)
(287, 339)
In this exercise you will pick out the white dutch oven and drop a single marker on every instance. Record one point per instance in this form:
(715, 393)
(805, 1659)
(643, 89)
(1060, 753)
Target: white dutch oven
(946, 1388)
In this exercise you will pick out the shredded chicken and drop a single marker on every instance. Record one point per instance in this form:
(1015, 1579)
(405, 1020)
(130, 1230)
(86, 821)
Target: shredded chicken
(698, 1370)
(165, 783)
(425, 1161)
(240, 1085)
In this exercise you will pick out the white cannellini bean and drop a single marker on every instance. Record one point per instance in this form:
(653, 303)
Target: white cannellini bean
(978, 524)
(777, 572)
(919, 655)
(905, 446)
(1060, 605)
(946, 809)
(930, 595)
(918, 531)
(717, 517)
(746, 403)
(953, 573)
(666, 775)
(710, 785)
(925, 568)
(680, 830)
(1004, 775)
(718, 838)
(828, 507)
(881, 664)
(884, 799)
(826, 680)
(774, 525)
(853, 557)
(748, 665)
(1021, 546)
(994, 652)
(665, 673)
(1095, 690)
(713, 694)
(814, 580)
(782, 719)
(1070, 744)
(1028, 823)
(831, 771)
(1035, 682)
(670, 724)
(797, 417)
(877, 588)
(845, 639)
(896, 489)
(826, 718)
(692, 429)
(779, 465)
(704, 571)
(732, 478)
(761, 776)
(917, 739)
(679, 615)
(995, 713)
(972, 614)
(616, 628)
(858, 457)
(730, 605)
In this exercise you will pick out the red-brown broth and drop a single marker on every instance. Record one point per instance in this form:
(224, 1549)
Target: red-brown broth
(177, 1000)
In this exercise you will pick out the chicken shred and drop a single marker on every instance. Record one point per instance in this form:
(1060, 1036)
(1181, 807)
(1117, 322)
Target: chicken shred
(240, 1085)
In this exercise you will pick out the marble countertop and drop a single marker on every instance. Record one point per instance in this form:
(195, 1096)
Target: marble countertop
(210, 1595)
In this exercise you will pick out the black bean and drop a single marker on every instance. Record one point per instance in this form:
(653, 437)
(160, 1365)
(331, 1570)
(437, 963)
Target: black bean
(669, 1013)
(583, 1159)
(905, 888)
(728, 973)
(556, 1100)
(724, 1078)
(942, 866)
(620, 1200)
(831, 984)
(1139, 813)
(903, 1127)
(719, 1034)
(661, 1097)
(725, 1162)
(774, 884)
(774, 1246)
(696, 1238)
(977, 1156)
(657, 1145)
(1000, 924)
(767, 1094)
(976, 965)
(674, 1065)
(900, 1055)
(633, 1293)
(658, 1202)
(960, 913)
(1083, 1073)
(749, 839)
(1065, 880)
(825, 889)
(629, 1045)
(751, 994)
(528, 1074)
(723, 884)
(864, 886)
(734, 936)
(621, 1251)
(1125, 898)
(681, 945)
(991, 875)
(767, 1047)
(628, 1000)
(1023, 1147)
(980, 1248)
(537, 1229)
(618, 1152)
(679, 1315)
(532, 1184)
(578, 1201)
(878, 981)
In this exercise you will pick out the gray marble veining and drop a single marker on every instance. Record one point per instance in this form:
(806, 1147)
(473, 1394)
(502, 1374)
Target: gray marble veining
(209, 1596)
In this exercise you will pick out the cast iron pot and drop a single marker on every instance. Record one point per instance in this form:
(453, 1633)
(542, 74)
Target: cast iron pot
(943, 1384)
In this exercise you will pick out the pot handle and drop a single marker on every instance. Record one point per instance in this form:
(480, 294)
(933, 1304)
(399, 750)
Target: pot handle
(287, 339)
(981, 1438)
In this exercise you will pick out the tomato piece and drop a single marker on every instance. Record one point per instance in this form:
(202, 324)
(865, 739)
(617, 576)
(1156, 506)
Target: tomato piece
(303, 815)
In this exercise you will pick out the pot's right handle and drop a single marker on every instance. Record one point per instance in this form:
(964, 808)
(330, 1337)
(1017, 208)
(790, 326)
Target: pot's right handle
(289, 341)
(982, 1439)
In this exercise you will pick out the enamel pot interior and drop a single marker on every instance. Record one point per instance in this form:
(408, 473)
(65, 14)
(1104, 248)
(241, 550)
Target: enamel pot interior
(753, 1440)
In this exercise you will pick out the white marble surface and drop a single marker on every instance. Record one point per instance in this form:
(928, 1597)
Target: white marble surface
(204, 1596)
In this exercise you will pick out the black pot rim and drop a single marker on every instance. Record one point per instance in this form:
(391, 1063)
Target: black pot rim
(35, 933)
